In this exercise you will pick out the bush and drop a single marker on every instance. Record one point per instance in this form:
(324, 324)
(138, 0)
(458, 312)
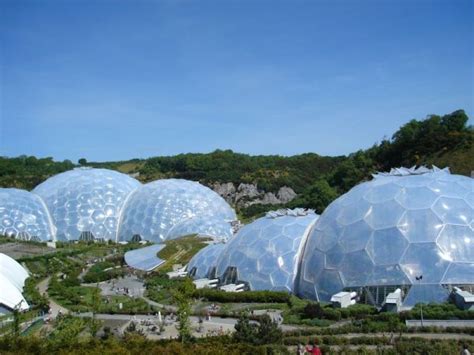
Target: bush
(247, 296)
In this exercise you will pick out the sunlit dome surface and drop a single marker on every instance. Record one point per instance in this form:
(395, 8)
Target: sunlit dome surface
(204, 262)
(390, 230)
(86, 202)
(265, 253)
(23, 215)
(171, 208)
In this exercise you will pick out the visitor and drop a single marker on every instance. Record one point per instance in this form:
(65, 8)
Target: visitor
(300, 349)
(313, 348)
(465, 350)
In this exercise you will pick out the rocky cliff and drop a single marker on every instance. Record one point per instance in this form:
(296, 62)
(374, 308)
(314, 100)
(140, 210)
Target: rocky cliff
(245, 195)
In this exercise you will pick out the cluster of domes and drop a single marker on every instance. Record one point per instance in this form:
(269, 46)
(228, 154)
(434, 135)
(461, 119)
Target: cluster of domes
(102, 204)
(411, 229)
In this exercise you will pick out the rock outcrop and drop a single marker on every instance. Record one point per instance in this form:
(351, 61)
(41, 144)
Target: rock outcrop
(246, 195)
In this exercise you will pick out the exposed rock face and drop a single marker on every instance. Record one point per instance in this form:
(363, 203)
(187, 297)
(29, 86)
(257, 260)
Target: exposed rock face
(226, 190)
(248, 194)
(286, 194)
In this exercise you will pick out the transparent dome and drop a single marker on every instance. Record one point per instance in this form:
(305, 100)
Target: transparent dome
(391, 230)
(23, 215)
(86, 203)
(204, 262)
(171, 208)
(266, 252)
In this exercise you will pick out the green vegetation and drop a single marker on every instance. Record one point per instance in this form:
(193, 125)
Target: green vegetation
(246, 296)
(440, 140)
(180, 251)
(105, 270)
(182, 297)
(437, 311)
(159, 288)
(265, 331)
(72, 338)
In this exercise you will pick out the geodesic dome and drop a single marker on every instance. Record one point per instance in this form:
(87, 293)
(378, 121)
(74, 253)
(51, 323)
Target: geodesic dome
(86, 203)
(23, 215)
(203, 263)
(385, 233)
(171, 208)
(265, 253)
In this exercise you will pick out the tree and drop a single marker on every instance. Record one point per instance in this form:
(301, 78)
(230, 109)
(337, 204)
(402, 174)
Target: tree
(245, 331)
(95, 303)
(268, 331)
(82, 161)
(318, 196)
(182, 296)
(265, 332)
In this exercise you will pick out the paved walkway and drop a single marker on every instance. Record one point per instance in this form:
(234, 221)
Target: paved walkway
(54, 308)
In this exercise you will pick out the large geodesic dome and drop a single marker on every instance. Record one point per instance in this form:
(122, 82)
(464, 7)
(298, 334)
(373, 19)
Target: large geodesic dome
(86, 203)
(410, 228)
(265, 253)
(23, 215)
(171, 208)
(203, 264)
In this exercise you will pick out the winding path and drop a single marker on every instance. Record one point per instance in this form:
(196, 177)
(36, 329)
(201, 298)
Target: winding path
(54, 308)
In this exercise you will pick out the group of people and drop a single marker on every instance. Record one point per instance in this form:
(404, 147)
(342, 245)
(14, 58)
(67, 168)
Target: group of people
(311, 348)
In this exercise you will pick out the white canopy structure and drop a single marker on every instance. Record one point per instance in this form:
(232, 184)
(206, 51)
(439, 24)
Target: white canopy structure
(12, 280)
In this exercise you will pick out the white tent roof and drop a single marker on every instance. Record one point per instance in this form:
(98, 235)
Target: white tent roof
(10, 295)
(12, 280)
(13, 271)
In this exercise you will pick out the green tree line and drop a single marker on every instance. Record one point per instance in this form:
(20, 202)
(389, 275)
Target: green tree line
(441, 140)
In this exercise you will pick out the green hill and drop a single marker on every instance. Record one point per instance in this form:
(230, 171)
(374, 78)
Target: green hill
(440, 140)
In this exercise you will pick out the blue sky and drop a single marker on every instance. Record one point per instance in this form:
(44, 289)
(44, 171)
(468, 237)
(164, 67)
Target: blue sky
(114, 80)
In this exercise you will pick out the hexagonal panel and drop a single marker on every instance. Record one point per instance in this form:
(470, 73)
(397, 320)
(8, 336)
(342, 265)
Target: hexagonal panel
(355, 268)
(458, 242)
(453, 210)
(459, 274)
(334, 257)
(416, 198)
(448, 189)
(384, 215)
(388, 275)
(387, 246)
(353, 213)
(327, 284)
(420, 225)
(424, 259)
(382, 193)
(425, 294)
(355, 236)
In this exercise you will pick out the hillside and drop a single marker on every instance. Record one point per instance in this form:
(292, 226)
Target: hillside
(317, 180)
